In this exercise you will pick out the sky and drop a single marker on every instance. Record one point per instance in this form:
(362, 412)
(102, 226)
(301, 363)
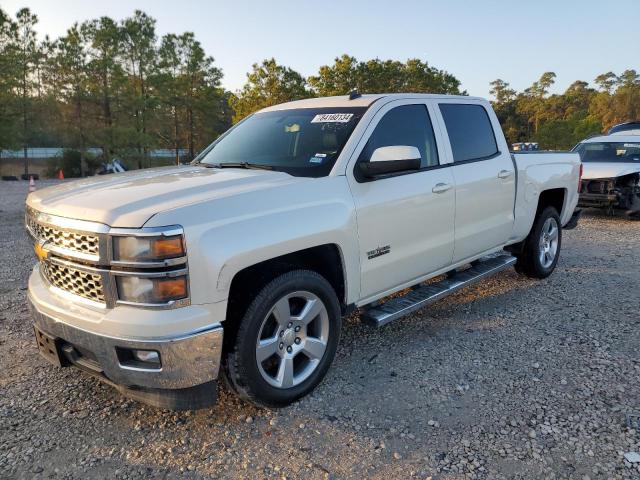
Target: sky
(477, 41)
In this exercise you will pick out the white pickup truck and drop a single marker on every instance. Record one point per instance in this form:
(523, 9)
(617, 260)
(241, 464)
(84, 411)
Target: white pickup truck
(296, 216)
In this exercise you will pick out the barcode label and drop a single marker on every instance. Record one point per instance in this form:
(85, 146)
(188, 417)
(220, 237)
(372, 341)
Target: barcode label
(332, 118)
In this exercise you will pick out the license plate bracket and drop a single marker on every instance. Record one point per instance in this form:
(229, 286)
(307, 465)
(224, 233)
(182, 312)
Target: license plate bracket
(49, 347)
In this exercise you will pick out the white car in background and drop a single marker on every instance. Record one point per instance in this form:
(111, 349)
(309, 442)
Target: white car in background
(611, 172)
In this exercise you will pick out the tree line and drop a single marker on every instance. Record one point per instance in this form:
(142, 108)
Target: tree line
(116, 85)
(559, 121)
(107, 84)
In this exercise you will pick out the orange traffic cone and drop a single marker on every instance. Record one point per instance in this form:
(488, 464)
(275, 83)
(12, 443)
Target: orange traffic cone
(60, 175)
(32, 184)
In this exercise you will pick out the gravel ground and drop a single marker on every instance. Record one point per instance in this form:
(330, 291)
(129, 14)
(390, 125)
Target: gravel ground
(511, 378)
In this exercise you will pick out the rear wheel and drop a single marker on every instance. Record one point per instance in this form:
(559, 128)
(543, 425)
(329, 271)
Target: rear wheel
(541, 249)
(286, 340)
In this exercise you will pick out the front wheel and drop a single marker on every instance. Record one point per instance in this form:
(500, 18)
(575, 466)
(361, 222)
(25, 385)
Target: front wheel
(541, 249)
(286, 340)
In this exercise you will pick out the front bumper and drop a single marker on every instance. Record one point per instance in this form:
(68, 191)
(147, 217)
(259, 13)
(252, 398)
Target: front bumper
(185, 361)
(189, 362)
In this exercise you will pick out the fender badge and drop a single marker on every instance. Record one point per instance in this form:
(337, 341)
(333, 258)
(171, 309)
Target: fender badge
(377, 252)
(41, 253)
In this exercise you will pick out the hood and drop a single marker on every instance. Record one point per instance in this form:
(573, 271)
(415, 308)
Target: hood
(129, 199)
(592, 170)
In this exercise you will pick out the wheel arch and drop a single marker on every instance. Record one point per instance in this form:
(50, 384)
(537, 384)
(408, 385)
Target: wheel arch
(553, 197)
(326, 260)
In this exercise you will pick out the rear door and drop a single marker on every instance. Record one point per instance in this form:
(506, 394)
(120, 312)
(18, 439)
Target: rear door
(405, 221)
(484, 175)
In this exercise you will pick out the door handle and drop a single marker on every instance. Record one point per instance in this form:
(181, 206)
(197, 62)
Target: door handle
(441, 188)
(505, 173)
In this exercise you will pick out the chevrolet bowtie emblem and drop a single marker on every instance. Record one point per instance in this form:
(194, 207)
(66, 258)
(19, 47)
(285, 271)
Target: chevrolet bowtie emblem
(41, 253)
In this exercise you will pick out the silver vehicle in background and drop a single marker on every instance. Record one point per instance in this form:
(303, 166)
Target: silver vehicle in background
(611, 176)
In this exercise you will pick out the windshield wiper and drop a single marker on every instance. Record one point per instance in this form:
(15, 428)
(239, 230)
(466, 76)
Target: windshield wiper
(247, 165)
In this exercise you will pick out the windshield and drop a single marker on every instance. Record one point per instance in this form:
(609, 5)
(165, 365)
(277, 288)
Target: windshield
(303, 142)
(609, 151)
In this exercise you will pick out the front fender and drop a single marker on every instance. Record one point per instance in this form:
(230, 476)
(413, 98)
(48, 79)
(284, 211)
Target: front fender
(249, 243)
(228, 235)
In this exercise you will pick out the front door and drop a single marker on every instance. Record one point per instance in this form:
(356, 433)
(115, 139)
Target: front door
(405, 222)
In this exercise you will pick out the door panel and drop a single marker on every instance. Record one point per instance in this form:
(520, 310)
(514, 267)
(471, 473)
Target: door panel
(484, 205)
(403, 213)
(484, 174)
(405, 222)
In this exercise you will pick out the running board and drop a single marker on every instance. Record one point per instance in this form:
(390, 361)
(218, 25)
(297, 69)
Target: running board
(422, 294)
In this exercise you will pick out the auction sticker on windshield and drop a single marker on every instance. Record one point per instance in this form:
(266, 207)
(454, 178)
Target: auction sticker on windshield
(332, 118)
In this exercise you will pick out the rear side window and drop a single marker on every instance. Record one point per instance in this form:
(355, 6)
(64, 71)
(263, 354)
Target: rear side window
(407, 125)
(470, 131)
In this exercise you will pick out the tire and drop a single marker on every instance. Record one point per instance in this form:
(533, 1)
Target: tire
(541, 248)
(295, 347)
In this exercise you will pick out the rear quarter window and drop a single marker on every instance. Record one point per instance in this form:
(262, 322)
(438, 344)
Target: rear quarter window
(470, 132)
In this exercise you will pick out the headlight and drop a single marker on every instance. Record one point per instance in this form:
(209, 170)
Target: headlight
(151, 290)
(148, 249)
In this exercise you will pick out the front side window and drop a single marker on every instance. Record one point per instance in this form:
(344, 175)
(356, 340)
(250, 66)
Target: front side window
(302, 142)
(470, 131)
(407, 125)
(609, 151)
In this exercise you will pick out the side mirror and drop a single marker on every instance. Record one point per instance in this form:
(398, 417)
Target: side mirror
(393, 159)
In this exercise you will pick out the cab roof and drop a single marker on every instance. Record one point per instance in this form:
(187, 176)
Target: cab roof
(364, 100)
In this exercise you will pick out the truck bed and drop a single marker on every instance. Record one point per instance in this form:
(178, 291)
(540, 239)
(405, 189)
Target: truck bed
(538, 171)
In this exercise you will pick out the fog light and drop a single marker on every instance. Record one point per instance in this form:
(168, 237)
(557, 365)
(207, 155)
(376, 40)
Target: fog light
(139, 359)
(147, 356)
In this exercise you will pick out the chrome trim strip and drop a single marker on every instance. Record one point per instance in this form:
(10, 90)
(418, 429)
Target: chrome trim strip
(122, 273)
(165, 273)
(77, 266)
(169, 262)
(168, 231)
(71, 224)
(140, 369)
(183, 302)
(65, 252)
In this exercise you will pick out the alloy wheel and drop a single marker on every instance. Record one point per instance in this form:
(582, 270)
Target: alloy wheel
(292, 339)
(548, 245)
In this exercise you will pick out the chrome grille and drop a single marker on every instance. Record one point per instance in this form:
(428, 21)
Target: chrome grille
(75, 241)
(84, 284)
